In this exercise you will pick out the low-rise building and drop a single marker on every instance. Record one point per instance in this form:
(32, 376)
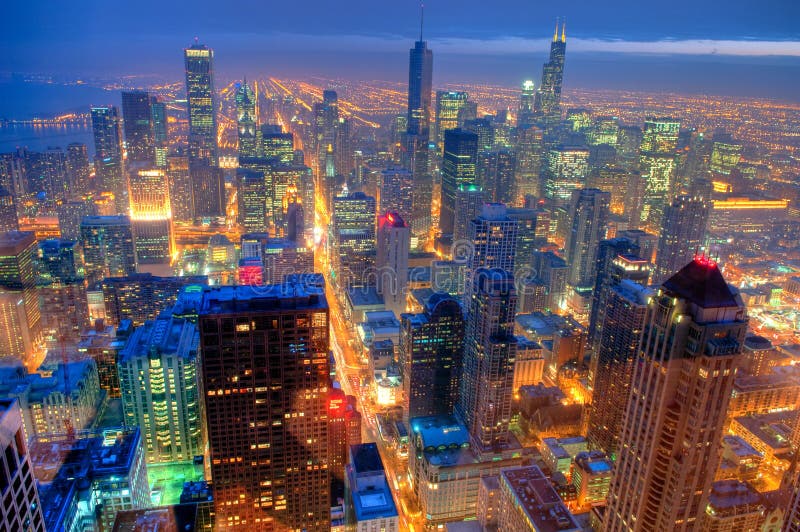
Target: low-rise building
(529, 502)
(370, 506)
(591, 477)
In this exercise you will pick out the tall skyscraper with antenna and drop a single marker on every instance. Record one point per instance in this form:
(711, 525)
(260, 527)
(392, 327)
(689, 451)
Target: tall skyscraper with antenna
(420, 83)
(547, 104)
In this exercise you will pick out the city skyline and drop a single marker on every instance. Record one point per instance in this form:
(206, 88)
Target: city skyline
(263, 301)
(639, 51)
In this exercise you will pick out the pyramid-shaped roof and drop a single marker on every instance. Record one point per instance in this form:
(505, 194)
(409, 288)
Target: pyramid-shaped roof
(702, 283)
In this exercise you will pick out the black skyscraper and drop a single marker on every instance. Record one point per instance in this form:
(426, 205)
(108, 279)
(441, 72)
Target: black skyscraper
(547, 104)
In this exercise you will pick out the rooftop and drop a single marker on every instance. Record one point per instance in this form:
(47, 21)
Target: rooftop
(535, 495)
(365, 458)
(235, 299)
(701, 283)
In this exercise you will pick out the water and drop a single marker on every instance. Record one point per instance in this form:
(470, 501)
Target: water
(38, 138)
(23, 100)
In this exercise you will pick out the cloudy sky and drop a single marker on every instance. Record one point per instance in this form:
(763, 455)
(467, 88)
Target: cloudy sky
(732, 47)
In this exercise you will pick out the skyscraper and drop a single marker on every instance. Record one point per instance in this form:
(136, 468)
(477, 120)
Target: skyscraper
(108, 249)
(682, 234)
(251, 195)
(493, 240)
(527, 105)
(691, 346)
(353, 238)
(657, 166)
(420, 82)
(588, 223)
(547, 105)
(567, 170)
(458, 168)
(326, 115)
(208, 190)
(397, 188)
(528, 147)
(137, 120)
(495, 174)
(449, 105)
(21, 317)
(617, 259)
(265, 369)
(489, 353)
(615, 349)
(9, 221)
(108, 155)
(430, 355)
(246, 120)
(391, 262)
(160, 389)
(180, 186)
(469, 204)
(151, 216)
(21, 510)
(201, 98)
(77, 169)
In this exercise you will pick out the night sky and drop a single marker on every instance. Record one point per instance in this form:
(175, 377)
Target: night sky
(728, 47)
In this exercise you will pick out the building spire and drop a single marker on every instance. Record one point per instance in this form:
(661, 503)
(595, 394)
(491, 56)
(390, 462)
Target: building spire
(555, 31)
(564, 32)
(421, 19)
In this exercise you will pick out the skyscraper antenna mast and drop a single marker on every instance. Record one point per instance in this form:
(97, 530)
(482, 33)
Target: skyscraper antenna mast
(421, 19)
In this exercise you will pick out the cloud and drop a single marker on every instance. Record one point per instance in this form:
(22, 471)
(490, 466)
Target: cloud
(521, 45)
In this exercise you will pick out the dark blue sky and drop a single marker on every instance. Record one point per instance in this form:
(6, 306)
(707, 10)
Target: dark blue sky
(698, 46)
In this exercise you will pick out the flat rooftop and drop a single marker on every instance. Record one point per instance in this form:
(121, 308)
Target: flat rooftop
(276, 297)
(364, 296)
(536, 496)
(365, 458)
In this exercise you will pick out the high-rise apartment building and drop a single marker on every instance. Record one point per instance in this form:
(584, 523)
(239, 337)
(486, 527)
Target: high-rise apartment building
(21, 509)
(458, 168)
(396, 191)
(110, 175)
(490, 349)
(691, 347)
(614, 350)
(588, 216)
(391, 261)
(469, 200)
(20, 308)
(158, 373)
(265, 374)
(140, 297)
(683, 234)
(495, 174)
(137, 120)
(78, 169)
(430, 355)
(493, 240)
(108, 249)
